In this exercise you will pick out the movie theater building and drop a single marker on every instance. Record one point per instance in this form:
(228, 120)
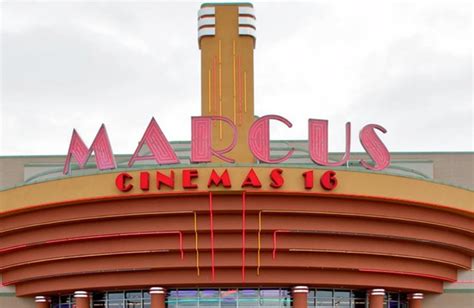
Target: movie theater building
(232, 219)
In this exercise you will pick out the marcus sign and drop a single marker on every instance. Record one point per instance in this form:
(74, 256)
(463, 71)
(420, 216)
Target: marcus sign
(202, 150)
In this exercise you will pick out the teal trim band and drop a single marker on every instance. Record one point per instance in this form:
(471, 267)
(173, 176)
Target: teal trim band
(7, 294)
(458, 290)
(207, 4)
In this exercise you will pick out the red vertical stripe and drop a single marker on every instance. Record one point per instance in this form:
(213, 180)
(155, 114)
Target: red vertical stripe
(243, 235)
(211, 218)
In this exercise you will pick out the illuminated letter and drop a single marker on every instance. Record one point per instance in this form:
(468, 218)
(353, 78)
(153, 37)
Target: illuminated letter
(277, 178)
(188, 176)
(259, 139)
(104, 156)
(216, 180)
(308, 179)
(251, 180)
(120, 182)
(201, 139)
(144, 180)
(161, 150)
(374, 147)
(328, 180)
(318, 143)
(164, 179)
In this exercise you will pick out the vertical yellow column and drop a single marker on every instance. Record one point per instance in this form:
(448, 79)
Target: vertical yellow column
(227, 41)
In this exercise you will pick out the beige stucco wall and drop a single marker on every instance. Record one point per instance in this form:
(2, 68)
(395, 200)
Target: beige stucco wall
(449, 168)
(12, 168)
(9, 300)
(458, 294)
(449, 300)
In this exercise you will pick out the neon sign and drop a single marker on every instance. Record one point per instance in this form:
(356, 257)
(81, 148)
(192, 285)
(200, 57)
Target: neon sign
(202, 150)
(189, 180)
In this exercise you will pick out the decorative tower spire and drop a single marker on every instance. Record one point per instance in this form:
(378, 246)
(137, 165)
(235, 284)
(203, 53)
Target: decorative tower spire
(227, 39)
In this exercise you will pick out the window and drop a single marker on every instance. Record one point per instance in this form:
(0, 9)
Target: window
(66, 301)
(233, 298)
(334, 298)
(112, 299)
(229, 298)
(395, 300)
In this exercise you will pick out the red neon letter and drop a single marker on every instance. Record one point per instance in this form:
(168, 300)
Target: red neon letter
(374, 147)
(120, 182)
(144, 180)
(259, 139)
(251, 180)
(318, 143)
(164, 179)
(328, 180)
(277, 178)
(188, 176)
(104, 156)
(308, 179)
(201, 139)
(216, 180)
(158, 145)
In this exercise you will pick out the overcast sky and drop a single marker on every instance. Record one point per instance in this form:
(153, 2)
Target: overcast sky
(406, 65)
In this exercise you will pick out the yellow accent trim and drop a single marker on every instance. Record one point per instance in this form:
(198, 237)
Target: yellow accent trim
(220, 70)
(196, 244)
(239, 88)
(259, 241)
(220, 88)
(209, 91)
(233, 79)
(245, 91)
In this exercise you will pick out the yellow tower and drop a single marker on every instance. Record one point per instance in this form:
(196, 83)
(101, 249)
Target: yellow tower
(227, 39)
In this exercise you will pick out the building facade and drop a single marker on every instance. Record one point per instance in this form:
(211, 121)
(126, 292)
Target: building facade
(232, 219)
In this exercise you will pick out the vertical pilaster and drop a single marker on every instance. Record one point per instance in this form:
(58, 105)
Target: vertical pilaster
(300, 296)
(376, 297)
(82, 299)
(157, 297)
(41, 302)
(415, 300)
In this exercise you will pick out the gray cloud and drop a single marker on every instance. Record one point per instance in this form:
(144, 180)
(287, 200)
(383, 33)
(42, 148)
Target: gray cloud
(80, 64)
